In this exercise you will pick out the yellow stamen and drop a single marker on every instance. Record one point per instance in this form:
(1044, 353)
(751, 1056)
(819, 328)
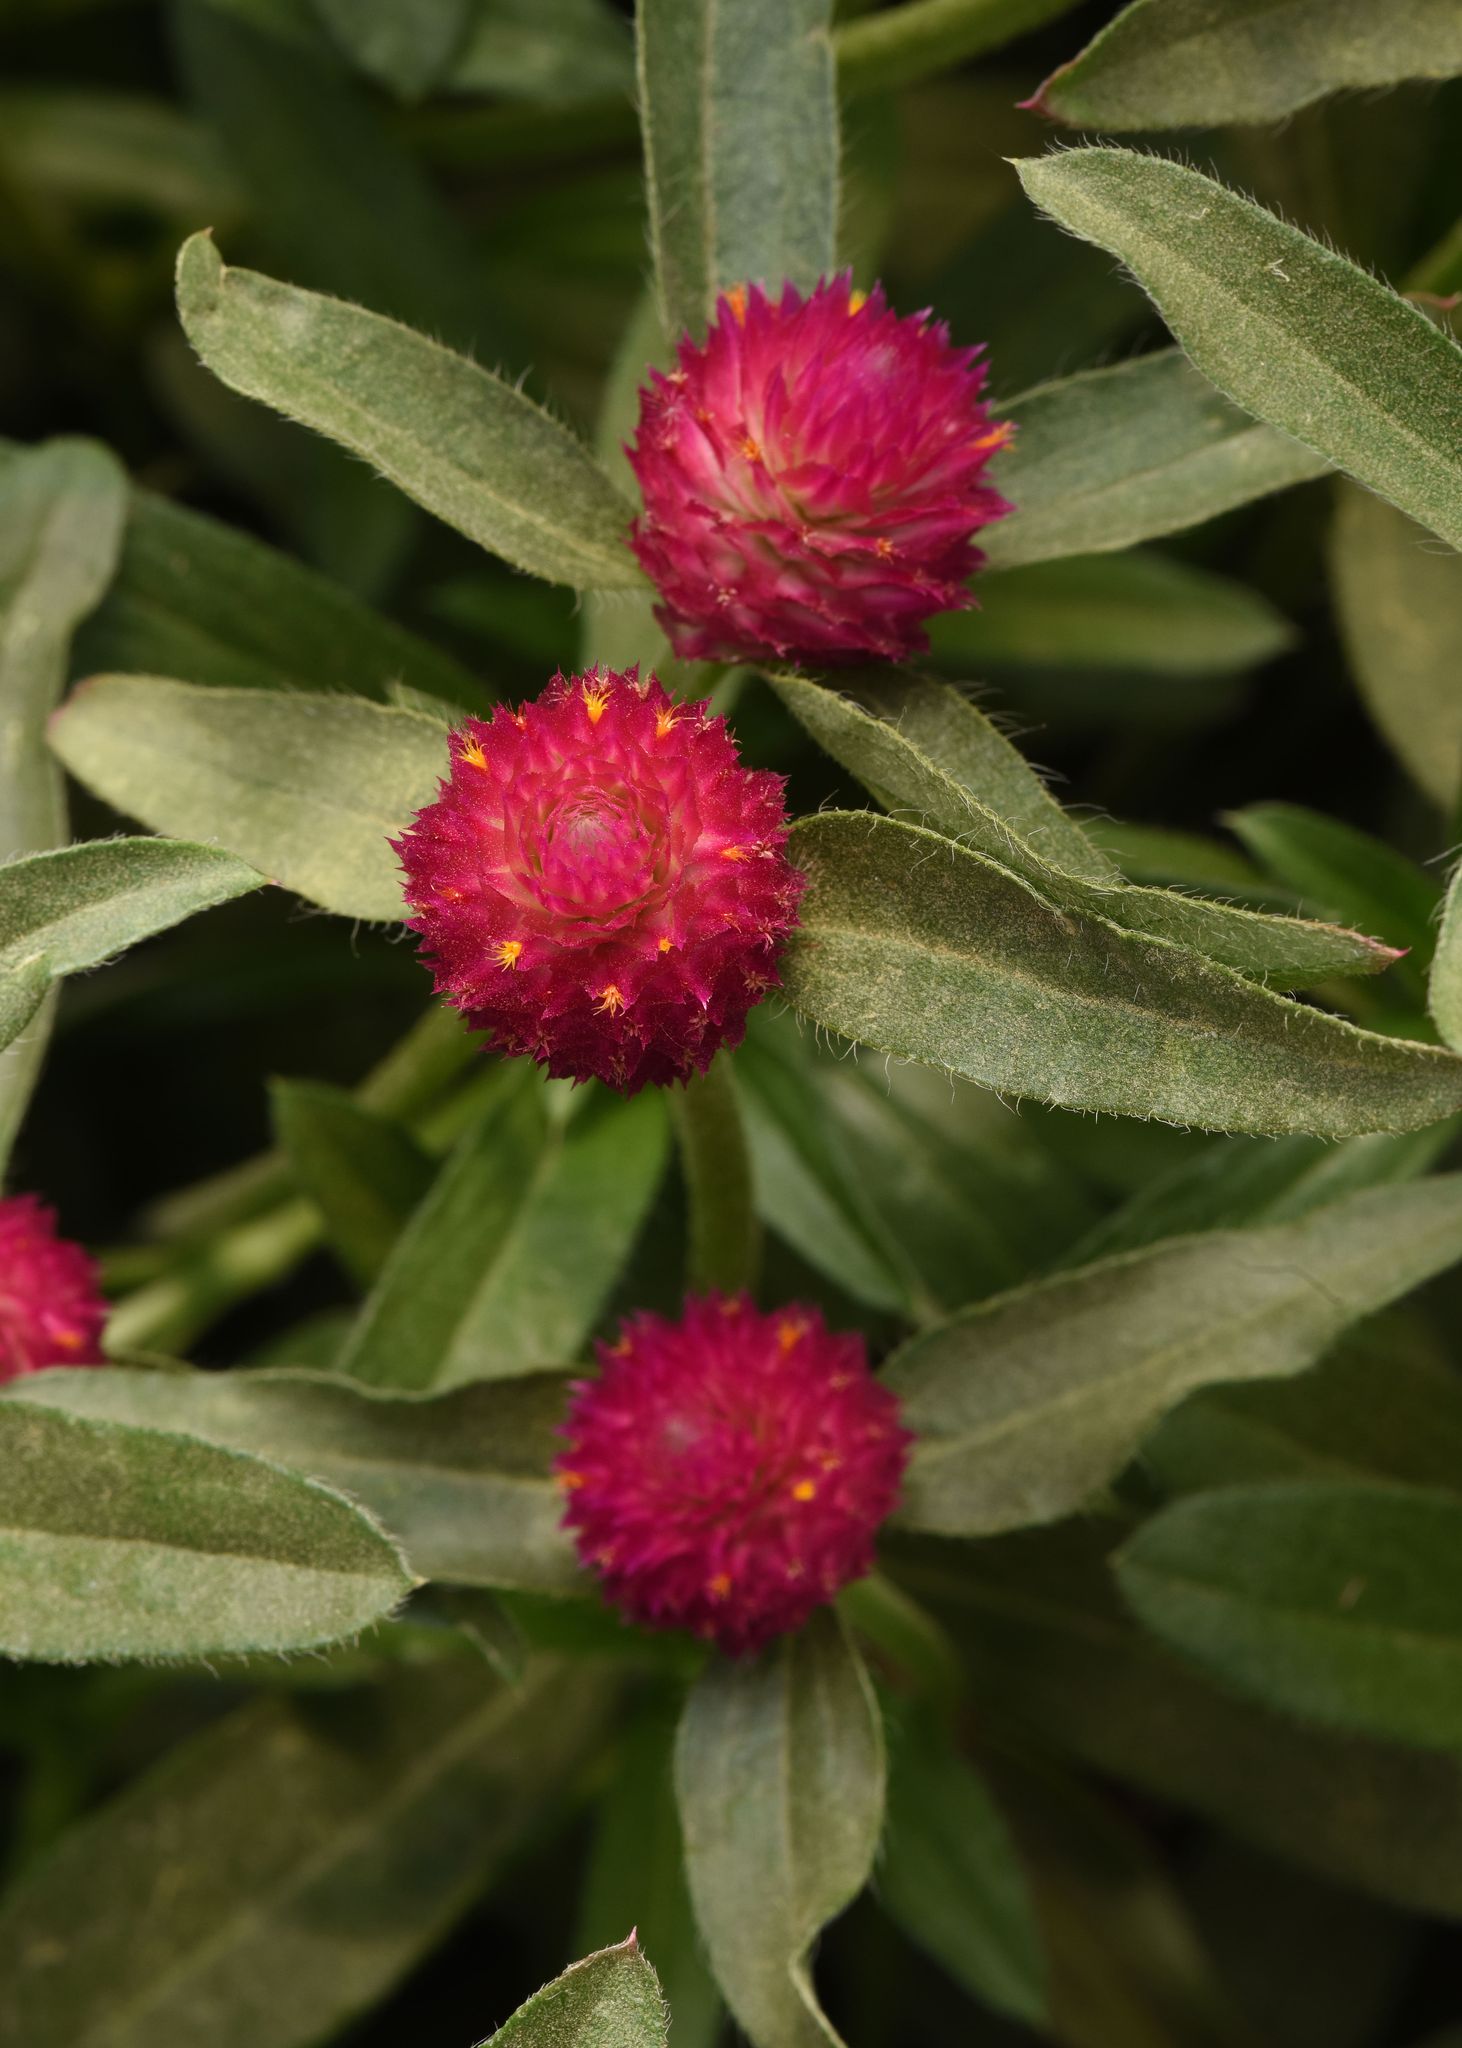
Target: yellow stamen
(611, 1000)
(666, 944)
(736, 300)
(789, 1331)
(804, 1490)
(472, 754)
(596, 696)
(664, 723)
(733, 853)
(996, 438)
(508, 951)
(719, 1586)
(857, 301)
(569, 1480)
(69, 1340)
(620, 1348)
(885, 550)
(751, 448)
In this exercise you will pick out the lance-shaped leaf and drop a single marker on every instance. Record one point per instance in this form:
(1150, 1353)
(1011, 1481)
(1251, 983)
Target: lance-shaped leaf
(364, 1171)
(1123, 454)
(125, 1542)
(462, 1480)
(1292, 332)
(508, 1262)
(1334, 868)
(308, 790)
(1398, 596)
(909, 782)
(896, 46)
(405, 49)
(1444, 995)
(779, 1776)
(174, 1914)
(739, 120)
(64, 911)
(1205, 63)
(461, 442)
(1338, 1602)
(1026, 1404)
(609, 2000)
(913, 945)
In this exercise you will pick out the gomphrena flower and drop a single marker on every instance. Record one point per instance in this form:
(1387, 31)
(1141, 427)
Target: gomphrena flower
(813, 478)
(601, 884)
(727, 1473)
(51, 1307)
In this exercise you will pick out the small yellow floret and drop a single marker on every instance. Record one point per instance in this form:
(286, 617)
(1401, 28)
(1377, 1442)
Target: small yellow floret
(666, 944)
(857, 301)
(611, 1000)
(733, 853)
(665, 722)
(473, 755)
(508, 951)
(736, 300)
(596, 696)
(719, 1586)
(751, 448)
(804, 1490)
(789, 1331)
(569, 1480)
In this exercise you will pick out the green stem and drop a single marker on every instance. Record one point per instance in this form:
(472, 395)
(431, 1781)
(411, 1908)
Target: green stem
(907, 1636)
(725, 1235)
(169, 1313)
(900, 45)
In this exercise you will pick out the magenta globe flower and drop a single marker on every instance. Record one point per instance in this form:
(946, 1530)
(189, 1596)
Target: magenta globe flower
(51, 1306)
(813, 478)
(727, 1473)
(600, 884)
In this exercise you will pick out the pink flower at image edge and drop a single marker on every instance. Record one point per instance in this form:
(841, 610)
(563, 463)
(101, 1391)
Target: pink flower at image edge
(813, 478)
(51, 1306)
(727, 1473)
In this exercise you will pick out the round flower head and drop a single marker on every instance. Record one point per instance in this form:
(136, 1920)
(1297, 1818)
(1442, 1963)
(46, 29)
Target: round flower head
(813, 478)
(600, 883)
(51, 1308)
(727, 1473)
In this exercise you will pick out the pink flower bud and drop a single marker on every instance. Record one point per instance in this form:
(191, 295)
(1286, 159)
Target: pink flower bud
(51, 1307)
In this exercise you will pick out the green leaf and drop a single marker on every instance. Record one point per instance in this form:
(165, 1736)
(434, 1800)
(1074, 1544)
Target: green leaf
(507, 1264)
(610, 2000)
(123, 1542)
(779, 1776)
(1292, 332)
(174, 1915)
(636, 1871)
(308, 790)
(1336, 870)
(919, 948)
(65, 911)
(900, 45)
(102, 149)
(406, 49)
(1337, 1602)
(911, 783)
(725, 1234)
(1445, 992)
(1027, 1404)
(950, 1876)
(204, 601)
(547, 51)
(1398, 597)
(1137, 611)
(1127, 453)
(364, 1172)
(1205, 63)
(462, 1480)
(457, 440)
(740, 129)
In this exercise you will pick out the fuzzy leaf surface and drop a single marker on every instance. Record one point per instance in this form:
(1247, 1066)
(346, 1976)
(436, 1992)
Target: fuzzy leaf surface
(1025, 1405)
(1445, 992)
(459, 441)
(74, 908)
(172, 1915)
(461, 1480)
(1292, 332)
(1205, 63)
(1127, 453)
(1341, 1603)
(779, 1774)
(364, 1172)
(919, 948)
(1398, 597)
(306, 789)
(740, 128)
(609, 2000)
(125, 1542)
(911, 784)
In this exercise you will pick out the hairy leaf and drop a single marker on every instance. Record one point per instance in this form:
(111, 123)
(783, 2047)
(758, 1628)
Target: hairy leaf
(1445, 994)
(740, 130)
(1027, 1404)
(1398, 596)
(609, 2000)
(913, 945)
(897, 46)
(1336, 870)
(461, 1480)
(364, 1172)
(125, 1542)
(779, 1776)
(64, 911)
(1129, 452)
(173, 1914)
(1204, 63)
(508, 1262)
(1292, 332)
(308, 790)
(458, 440)
(1341, 1603)
(910, 783)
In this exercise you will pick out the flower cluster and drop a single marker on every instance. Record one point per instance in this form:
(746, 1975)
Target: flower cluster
(600, 884)
(813, 478)
(51, 1307)
(727, 1473)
